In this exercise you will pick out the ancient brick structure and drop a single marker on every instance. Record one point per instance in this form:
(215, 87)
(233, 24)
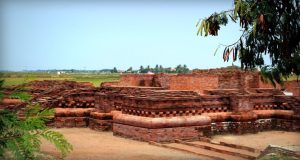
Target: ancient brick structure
(166, 107)
(293, 86)
(197, 81)
(72, 101)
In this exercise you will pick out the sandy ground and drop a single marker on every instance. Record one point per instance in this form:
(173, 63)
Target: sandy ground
(93, 145)
(262, 139)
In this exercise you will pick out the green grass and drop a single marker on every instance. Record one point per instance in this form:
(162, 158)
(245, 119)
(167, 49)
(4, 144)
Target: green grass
(291, 78)
(16, 78)
(21, 95)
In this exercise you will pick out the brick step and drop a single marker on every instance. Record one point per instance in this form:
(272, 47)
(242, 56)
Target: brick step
(201, 151)
(222, 149)
(246, 148)
(203, 155)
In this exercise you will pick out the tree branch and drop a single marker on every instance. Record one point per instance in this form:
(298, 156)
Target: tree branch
(234, 42)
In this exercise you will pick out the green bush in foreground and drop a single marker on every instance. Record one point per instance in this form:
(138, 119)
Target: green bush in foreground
(21, 139)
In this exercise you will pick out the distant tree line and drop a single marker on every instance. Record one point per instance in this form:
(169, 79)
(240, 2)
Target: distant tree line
(157, 69)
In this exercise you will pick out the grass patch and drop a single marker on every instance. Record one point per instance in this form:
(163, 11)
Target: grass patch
(21, 95)
(17, 78)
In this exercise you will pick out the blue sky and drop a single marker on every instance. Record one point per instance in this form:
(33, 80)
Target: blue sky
(90, 34)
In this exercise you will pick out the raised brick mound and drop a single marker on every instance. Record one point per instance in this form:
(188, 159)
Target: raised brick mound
(73, 101)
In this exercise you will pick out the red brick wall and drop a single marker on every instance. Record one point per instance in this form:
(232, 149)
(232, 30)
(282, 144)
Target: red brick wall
(201, 80)
(229, 81)
(251, 80)
(266, 85)
(293, 86)
(192, 82)
(136, 80)
(157, 135)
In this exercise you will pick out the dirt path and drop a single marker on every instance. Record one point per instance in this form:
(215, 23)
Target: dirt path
(93, 145)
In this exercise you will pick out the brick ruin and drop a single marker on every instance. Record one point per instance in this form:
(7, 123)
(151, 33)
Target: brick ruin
(166, 107)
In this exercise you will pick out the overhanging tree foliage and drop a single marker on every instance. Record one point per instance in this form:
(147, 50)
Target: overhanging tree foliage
(269, 27)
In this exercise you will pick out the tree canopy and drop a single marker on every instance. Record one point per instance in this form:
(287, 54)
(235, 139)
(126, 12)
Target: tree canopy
(160, 69)
(269, 28)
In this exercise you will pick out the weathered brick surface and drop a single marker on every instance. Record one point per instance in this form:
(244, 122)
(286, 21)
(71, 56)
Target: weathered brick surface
(241, 103)
(193, 82)
(100, 125)
(293, 86)
(73, 112)
(198, 81)
(254, 126)
(71, 122)
(157, 135)
(140, 80)
(100, 121)
(232, 99)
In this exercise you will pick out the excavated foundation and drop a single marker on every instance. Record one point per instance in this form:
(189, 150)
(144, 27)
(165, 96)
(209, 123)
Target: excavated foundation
(166, 107)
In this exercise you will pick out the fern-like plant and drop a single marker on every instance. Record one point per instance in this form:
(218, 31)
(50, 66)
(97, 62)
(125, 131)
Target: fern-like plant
(21, 133)
(20, 138)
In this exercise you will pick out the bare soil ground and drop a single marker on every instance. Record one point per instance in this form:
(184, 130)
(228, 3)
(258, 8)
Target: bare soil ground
(93, 145)
(262, 139)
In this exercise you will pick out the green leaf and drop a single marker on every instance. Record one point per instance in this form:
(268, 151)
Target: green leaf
(207, 28)
(1, 84)
(21, 95)
(203, 27)
(217, 50)
(21, 137)
(1, 96)
(224, 54)
(254, 28)
(59, 141)
(236, 8)
(200, 28)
